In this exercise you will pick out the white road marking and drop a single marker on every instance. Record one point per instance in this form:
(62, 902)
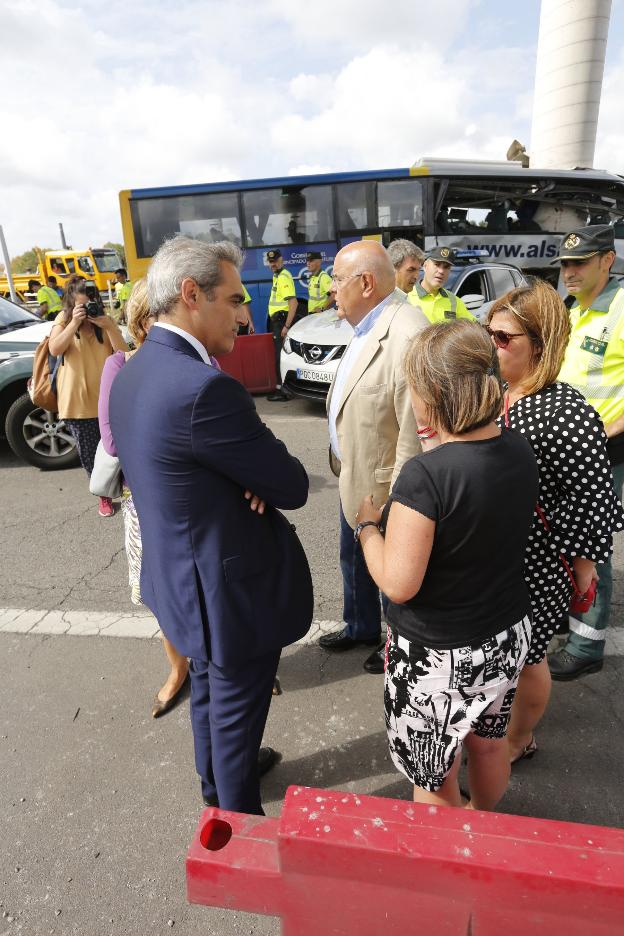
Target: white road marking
(144, 626)
(105, 624)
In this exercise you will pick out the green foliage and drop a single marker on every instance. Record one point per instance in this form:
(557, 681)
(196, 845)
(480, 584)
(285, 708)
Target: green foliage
(27, 262)
(120, 250)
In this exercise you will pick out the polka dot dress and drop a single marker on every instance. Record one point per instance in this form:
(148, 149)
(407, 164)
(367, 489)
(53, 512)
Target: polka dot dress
(576, 494)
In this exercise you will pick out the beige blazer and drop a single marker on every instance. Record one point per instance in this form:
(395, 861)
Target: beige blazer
(375, 425)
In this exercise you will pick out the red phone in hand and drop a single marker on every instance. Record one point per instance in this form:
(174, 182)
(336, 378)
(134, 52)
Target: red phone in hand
(582, 603)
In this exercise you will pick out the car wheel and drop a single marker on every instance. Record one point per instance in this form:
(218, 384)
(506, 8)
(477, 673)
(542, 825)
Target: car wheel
(39, 437)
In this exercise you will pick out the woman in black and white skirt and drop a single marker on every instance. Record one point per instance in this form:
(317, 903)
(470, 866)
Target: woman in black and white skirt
(450, 560)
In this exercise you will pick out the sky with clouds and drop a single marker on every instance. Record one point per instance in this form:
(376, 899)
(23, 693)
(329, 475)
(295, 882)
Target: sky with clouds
(99, 97)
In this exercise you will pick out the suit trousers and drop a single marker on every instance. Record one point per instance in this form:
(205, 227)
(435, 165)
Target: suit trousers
(229, 708)
(361, 609)
(275, 323)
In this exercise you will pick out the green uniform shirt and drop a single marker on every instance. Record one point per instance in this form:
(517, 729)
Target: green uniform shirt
(442, 307)
(246, 295)
(49, 295)
(319, 285)
(594, 359)
(282, 290)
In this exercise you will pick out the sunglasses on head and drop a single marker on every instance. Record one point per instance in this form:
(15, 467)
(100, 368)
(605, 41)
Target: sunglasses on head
(502, 338)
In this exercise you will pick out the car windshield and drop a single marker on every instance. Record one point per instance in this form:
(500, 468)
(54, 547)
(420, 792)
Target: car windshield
(107, 262)
(11, 314)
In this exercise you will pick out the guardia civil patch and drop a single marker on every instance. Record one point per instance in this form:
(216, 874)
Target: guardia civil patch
(594, 346)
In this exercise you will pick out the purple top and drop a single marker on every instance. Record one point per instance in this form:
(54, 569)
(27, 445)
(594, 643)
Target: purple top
(112, 366)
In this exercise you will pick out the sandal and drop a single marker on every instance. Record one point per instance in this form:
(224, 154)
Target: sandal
(527, 752)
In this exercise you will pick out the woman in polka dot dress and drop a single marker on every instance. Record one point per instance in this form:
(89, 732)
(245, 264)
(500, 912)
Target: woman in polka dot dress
(530, 328)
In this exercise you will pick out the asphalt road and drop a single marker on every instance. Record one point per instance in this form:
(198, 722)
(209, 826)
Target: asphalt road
(99, 802)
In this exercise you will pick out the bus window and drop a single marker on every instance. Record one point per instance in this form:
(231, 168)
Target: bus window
(71, 266)
(289, 215)
(399, 203)
(355, 206)
(208, 217)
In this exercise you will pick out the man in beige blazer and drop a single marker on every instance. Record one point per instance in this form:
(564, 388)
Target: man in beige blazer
(371, 425)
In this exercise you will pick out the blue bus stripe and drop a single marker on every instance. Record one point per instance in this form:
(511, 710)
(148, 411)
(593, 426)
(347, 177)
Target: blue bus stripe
(326, 179)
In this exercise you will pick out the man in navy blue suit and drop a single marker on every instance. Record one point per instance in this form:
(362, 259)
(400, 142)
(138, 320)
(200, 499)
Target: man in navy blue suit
(222, 570)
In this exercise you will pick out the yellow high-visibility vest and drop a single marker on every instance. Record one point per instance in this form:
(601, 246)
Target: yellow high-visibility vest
(319, 285)
(282, 290)
(443, 307)
(594, 359)
(49, 295)
(123, 290)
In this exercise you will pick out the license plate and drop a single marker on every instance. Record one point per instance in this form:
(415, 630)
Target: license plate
(320, 376)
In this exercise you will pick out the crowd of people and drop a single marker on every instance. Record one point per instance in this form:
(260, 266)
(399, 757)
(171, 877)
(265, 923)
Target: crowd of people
(480, 482)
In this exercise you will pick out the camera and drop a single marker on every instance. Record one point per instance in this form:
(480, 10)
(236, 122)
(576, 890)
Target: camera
(93, 306)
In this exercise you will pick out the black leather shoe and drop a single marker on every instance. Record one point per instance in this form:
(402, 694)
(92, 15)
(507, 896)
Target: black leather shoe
(340, 640)
(267, 758)
(564, 666)
(278, 397)
(376, 662)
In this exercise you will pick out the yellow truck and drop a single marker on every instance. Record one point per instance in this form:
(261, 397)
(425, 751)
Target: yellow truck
(95, 264)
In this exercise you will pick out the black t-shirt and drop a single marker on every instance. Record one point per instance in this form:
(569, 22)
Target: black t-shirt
(481, 496)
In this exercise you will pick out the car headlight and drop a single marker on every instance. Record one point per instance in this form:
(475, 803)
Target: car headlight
(287, 345)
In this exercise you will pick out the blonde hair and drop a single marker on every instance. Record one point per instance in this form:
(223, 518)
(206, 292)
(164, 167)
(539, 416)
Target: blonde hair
(138, 311)
(541, 313)
(453, 368)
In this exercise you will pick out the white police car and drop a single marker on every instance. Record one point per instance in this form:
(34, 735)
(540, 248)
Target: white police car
(315, 344)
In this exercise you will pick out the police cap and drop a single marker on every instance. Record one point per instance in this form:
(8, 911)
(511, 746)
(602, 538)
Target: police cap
(586, 242)
(442, 254)
(274, 254)
(314, 255)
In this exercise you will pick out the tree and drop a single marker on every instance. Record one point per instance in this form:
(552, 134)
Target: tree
(27, 262)
(120, 250)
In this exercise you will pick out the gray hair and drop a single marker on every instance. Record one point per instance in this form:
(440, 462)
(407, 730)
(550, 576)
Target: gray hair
(402, 249)
(181, 258)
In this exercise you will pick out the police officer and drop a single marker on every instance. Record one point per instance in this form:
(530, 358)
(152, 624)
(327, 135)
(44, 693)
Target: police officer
(281, 313)
(319, 284)
(248, 328)
(438, 304)
(50, 303)
(407, 260)
(594, 364)
(123, 288)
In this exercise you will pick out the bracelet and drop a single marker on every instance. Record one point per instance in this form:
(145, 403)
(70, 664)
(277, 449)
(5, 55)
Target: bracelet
(425, 438)
(425, 430)
(358, 530)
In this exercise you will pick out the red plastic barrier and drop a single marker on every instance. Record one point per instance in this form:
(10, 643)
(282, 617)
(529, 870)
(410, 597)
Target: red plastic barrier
(342, 864)
(252, 362)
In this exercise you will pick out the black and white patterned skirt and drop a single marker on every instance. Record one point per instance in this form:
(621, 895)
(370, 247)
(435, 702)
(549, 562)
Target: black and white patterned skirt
(434, 698)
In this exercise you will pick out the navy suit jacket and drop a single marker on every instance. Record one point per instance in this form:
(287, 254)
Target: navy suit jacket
(226, 584)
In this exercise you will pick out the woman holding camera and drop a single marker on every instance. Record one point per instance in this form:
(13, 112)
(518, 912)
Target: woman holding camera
(85, 337)
(578, 510)
(451, 561)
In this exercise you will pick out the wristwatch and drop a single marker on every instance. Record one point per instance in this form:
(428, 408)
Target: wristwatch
(358, 530)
